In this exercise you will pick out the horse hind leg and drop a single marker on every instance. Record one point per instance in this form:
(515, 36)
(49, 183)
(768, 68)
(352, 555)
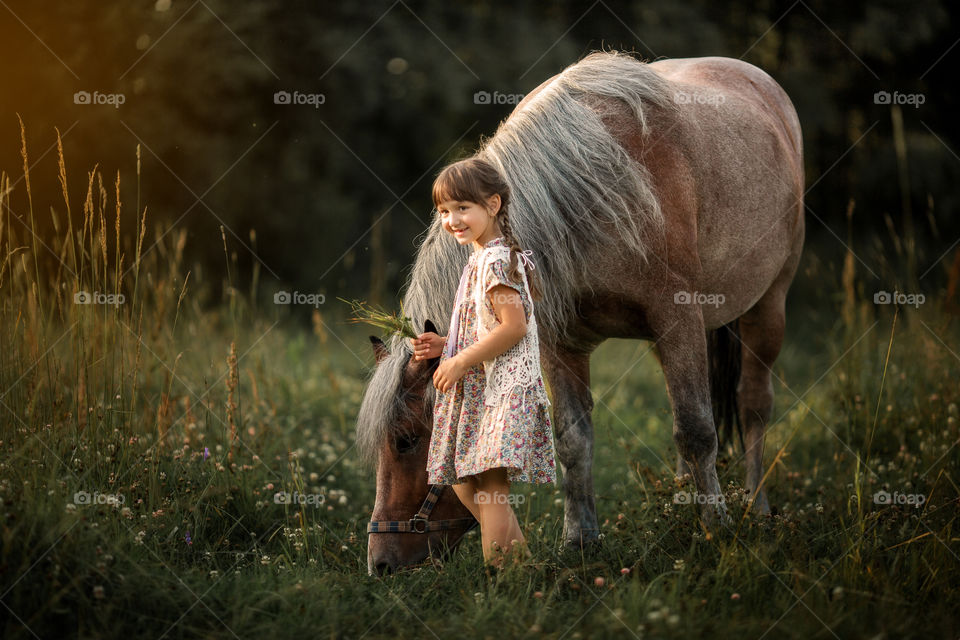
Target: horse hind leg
(761, 335)
(569, 376)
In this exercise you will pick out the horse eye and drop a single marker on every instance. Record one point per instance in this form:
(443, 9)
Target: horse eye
(407, 443)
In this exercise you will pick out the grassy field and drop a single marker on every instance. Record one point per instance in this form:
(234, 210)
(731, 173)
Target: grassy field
(142, 443)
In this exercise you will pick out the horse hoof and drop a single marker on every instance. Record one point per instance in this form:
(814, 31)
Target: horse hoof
(582, 541)
(760, 505)
(716, 521)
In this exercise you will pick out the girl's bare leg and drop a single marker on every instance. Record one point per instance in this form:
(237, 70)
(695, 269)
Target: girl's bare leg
(498, 523)
(465, 492)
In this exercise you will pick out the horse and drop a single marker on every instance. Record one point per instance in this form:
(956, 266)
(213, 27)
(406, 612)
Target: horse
(663, 201)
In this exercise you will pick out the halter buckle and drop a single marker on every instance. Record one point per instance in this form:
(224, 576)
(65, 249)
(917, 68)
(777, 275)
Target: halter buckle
(416, 522)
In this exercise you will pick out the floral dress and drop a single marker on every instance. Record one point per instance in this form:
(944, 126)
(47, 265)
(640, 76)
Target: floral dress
(471, 436)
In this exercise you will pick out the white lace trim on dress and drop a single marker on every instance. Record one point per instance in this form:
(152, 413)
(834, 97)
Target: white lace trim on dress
(518, 366)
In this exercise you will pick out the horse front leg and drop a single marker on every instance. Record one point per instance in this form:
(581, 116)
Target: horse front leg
(683, 356)
(569, 375)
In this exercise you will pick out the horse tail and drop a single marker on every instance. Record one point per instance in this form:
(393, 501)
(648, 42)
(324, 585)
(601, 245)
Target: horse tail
(723, 359)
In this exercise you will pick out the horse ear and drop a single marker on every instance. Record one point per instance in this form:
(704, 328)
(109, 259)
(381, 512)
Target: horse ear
(379, 348)
(429, 327)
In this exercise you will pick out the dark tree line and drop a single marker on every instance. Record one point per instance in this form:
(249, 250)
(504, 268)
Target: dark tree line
(398, 83)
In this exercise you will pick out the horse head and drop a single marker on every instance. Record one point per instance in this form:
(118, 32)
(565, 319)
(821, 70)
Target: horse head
(411, 520)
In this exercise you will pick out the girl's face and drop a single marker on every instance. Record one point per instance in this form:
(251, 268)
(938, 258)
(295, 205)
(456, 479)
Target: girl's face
(471, 222)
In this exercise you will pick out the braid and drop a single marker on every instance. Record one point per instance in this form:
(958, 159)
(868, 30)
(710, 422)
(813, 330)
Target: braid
(513, 272)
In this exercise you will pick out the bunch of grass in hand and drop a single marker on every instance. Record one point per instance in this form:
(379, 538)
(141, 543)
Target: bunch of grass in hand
(392, 323)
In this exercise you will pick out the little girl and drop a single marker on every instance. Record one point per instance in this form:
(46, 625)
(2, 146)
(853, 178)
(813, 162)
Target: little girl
(491, 425)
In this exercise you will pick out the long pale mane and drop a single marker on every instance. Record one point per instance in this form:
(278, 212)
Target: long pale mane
(575, 193)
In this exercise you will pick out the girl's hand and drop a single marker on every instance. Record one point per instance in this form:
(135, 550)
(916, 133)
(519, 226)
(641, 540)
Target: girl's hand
(449, 371)
(427, 346)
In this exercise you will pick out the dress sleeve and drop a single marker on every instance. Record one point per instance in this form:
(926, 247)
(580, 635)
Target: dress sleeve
(496, 273)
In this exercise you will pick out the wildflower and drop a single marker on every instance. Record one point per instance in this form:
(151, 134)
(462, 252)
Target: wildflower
(625, 571)
(98, 592)
(214, 574)
(538, 595)
(678, 564)
(206, 452)
(734, 596)
(188, 538)
(598, 581)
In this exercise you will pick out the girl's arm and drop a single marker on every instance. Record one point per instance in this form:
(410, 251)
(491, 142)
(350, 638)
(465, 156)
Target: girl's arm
(513, 326)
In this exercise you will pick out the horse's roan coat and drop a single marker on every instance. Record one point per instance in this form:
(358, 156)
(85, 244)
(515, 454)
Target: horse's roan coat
(662, 201)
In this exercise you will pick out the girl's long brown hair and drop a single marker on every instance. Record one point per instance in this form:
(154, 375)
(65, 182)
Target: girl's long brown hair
(476, 180)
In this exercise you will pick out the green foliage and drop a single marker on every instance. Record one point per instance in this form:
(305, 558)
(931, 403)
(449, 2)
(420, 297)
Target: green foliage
(336, 191)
